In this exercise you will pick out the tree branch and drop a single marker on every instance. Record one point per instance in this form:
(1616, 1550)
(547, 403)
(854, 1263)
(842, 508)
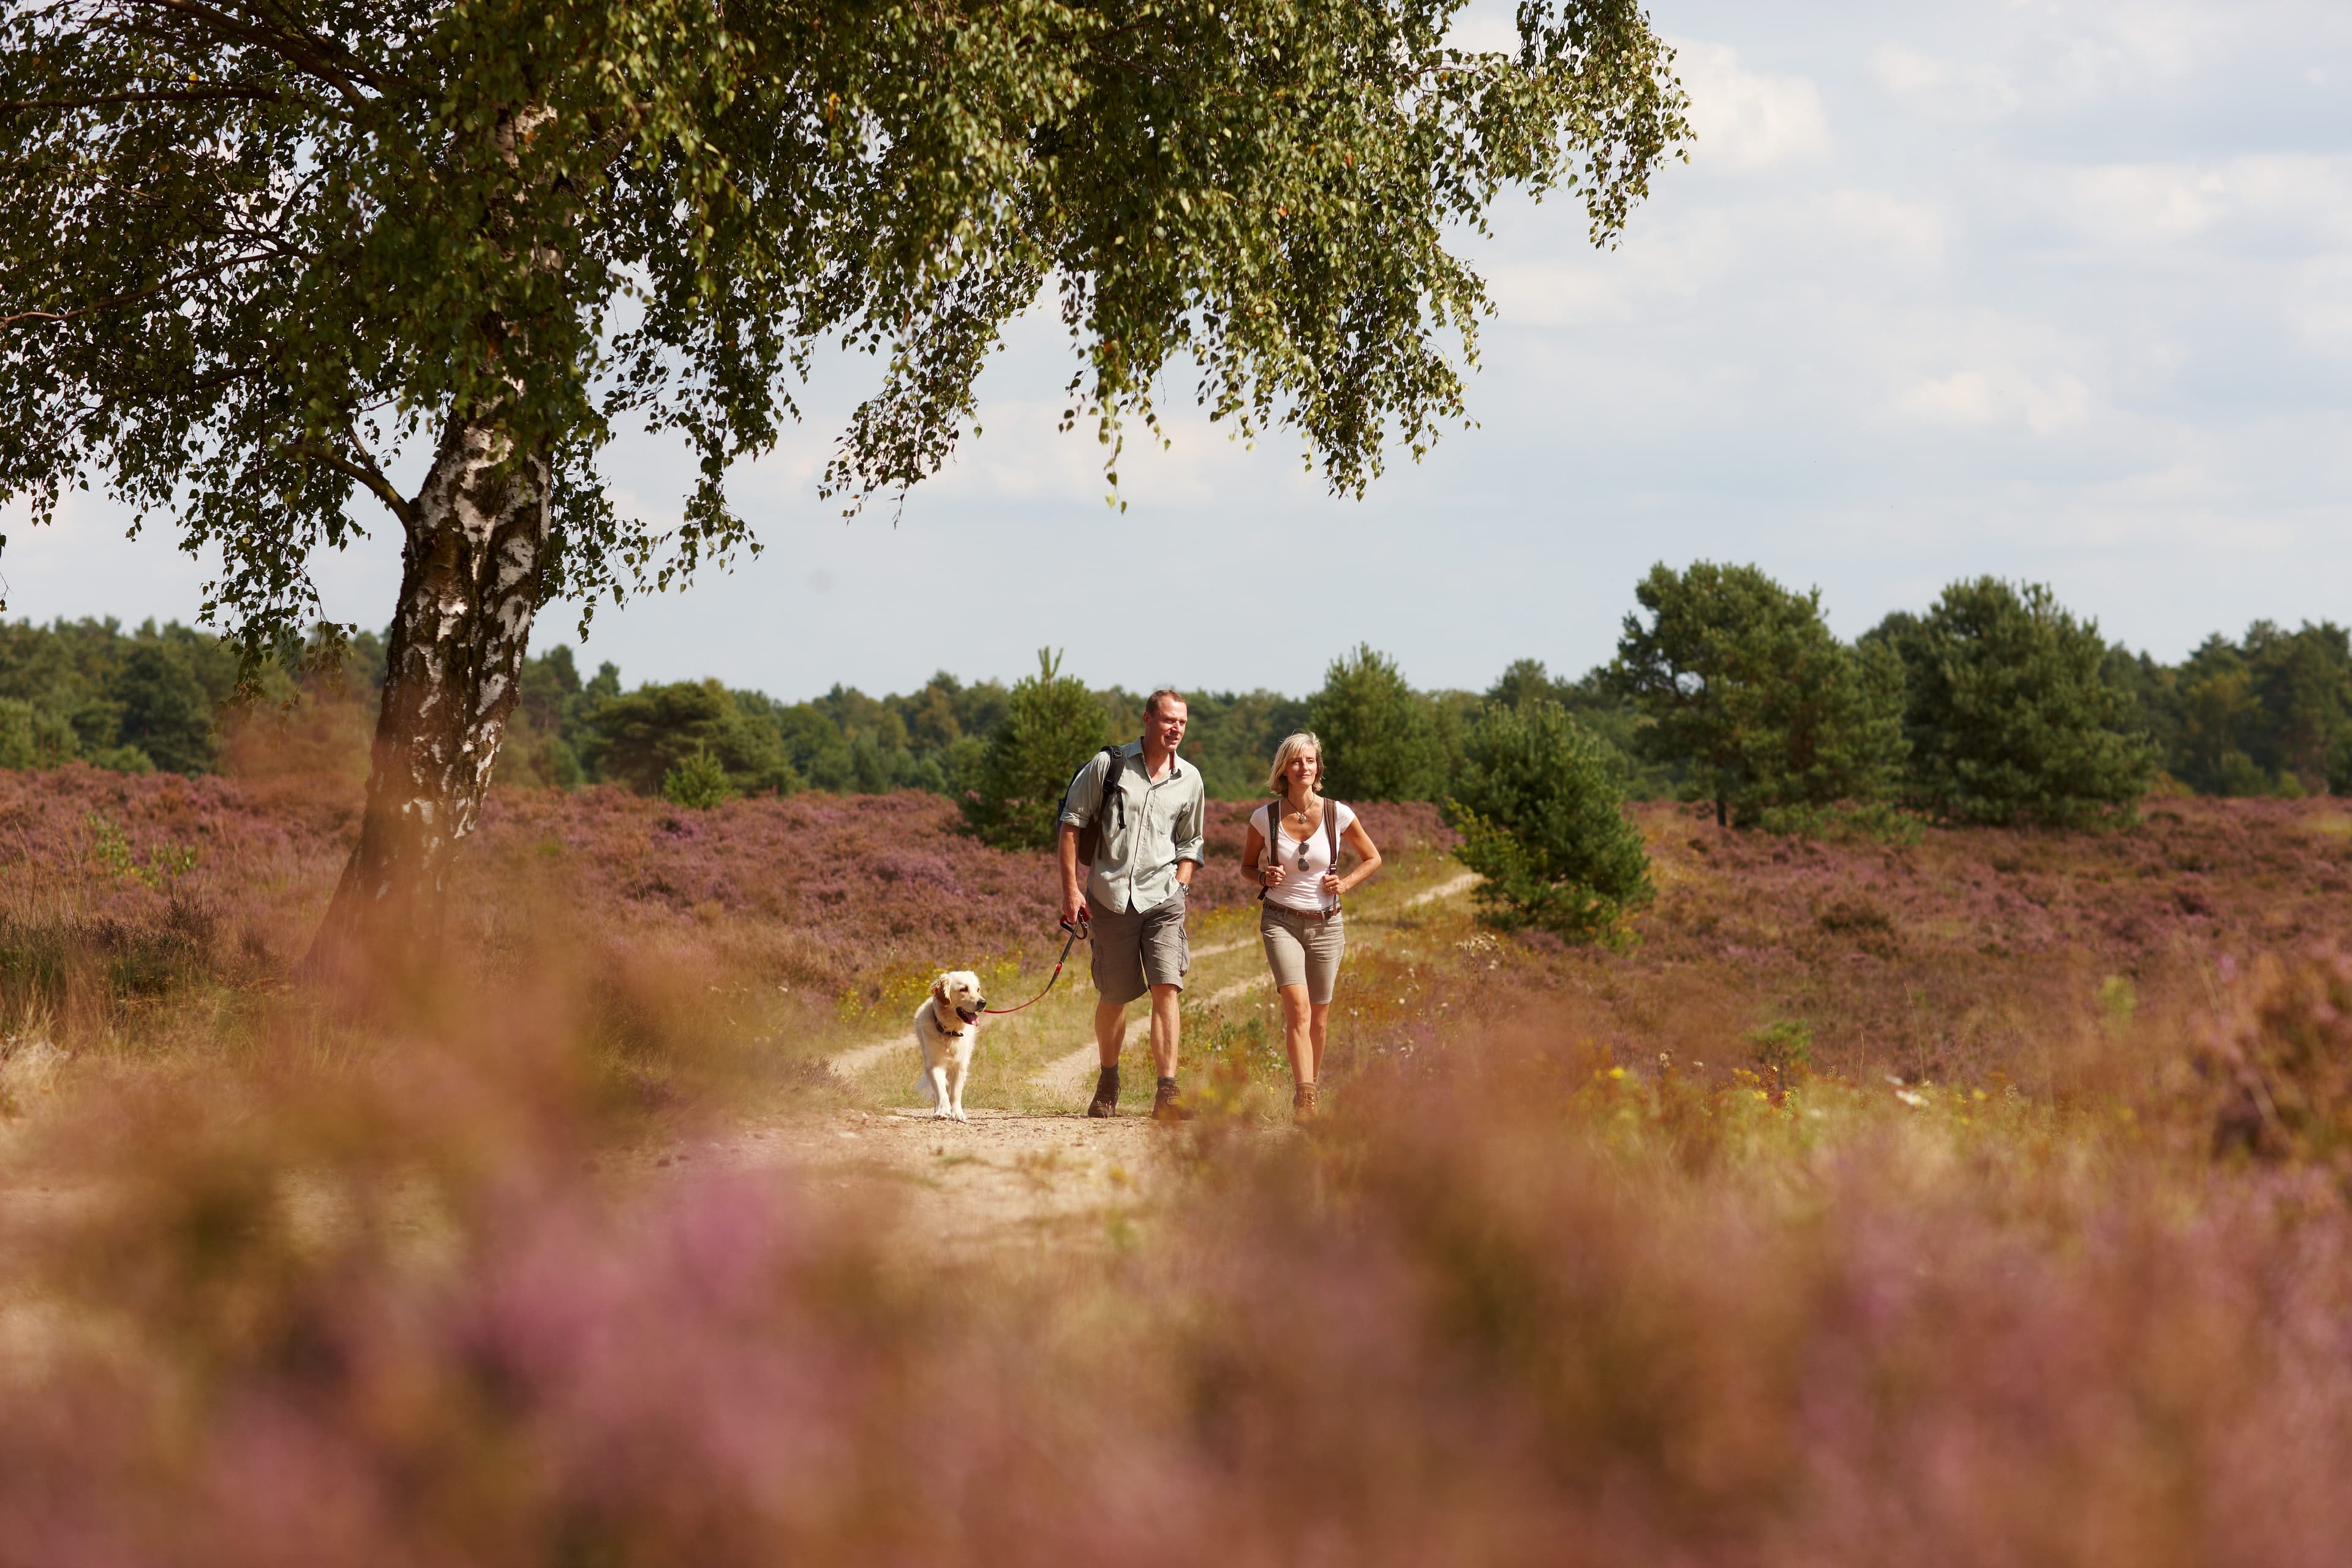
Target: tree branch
(198, 95)
(167, 286)
(364, 472)
(302, 51)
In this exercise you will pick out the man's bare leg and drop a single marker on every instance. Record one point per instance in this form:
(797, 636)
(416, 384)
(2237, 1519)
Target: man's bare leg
(1110, 1036)
(1167, 1027)
(1110, 1030)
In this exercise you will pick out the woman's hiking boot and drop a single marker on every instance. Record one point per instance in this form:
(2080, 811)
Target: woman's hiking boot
(1106, 1100)
(1302, 1105)
(1166, 1106)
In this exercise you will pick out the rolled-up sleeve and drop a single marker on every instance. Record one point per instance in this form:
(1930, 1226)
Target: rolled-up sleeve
(1084, 794)
(1191, 826)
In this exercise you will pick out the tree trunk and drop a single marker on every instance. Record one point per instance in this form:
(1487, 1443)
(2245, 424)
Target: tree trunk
(469, 584)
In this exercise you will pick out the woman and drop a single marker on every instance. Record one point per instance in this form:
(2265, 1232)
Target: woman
(1301, 924)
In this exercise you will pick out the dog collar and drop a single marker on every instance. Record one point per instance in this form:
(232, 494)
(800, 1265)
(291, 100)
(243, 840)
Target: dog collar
(937, 1023)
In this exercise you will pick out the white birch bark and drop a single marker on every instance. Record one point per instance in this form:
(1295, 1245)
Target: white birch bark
(469, 586)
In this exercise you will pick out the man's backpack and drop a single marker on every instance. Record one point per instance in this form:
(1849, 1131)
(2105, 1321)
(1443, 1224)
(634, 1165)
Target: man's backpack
(1090, 831)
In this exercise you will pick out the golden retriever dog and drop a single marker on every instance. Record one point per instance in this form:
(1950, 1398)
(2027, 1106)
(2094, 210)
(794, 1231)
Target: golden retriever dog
(947, 1026)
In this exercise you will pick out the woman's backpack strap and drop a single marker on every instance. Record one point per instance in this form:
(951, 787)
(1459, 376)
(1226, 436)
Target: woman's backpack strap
(1265, 846)
(1331, 838)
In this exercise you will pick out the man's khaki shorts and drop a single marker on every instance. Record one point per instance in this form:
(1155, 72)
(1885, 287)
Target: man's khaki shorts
(1133, 953)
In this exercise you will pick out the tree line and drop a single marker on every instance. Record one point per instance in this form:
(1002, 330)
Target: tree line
(1995, 704)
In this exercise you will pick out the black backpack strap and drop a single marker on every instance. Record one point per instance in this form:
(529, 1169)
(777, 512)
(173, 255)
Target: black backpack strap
(1113, 772)
(1110, 779)
(1265, 849)
(1090, 832)
(1331, 836)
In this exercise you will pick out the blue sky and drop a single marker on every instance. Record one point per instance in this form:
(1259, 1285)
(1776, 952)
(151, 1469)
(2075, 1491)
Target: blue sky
(2054, 291)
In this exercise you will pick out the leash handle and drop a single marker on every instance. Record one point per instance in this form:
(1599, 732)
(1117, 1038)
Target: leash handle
(1079, 930)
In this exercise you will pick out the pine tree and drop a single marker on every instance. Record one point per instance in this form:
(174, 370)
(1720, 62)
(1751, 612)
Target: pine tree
(1052, 725)
(1540, 806)
(1380, 736)
(1749, 693)
(2009, 717)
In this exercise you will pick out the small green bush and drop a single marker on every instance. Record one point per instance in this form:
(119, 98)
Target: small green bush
(1052, 725)
(697, 781)
(1539, 806)
(1785, 1048)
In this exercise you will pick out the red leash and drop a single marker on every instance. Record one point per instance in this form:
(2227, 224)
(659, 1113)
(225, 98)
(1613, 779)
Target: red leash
(1076, 931)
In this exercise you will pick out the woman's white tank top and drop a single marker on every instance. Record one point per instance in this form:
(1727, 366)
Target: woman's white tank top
(1302, 883)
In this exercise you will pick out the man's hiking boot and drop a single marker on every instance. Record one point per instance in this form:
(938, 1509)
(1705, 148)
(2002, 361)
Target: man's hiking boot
(1302, 1105)
(1166, 1106)
(1106, 1100)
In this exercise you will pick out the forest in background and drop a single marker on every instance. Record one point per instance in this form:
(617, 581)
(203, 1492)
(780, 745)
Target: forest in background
(2268, 713)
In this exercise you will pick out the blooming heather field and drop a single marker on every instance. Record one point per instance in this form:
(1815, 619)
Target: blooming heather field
(1981, 1200)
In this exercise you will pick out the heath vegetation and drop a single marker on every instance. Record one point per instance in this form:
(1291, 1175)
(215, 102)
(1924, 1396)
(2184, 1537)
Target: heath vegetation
(1987, 1188)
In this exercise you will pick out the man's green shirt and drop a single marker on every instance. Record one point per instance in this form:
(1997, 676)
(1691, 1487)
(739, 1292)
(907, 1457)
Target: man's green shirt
(1135, 868)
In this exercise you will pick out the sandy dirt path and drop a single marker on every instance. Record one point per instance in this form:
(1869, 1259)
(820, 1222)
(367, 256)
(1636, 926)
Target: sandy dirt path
(1029, 1165)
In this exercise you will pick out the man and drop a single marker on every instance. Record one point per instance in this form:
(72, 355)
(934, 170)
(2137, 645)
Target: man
(1149, 826)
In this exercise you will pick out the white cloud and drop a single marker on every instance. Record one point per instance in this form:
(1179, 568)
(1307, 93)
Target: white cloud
(1483, 33)
(2140, 204)
(1025, 457)
(1915, 231)
(1744, 120)
(1547, 294)
(2319, 306)
(1972, 90)
(2297, 198)
(1977, 398)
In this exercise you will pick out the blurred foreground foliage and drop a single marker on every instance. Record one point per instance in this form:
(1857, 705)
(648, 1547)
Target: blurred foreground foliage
(1578, 1267)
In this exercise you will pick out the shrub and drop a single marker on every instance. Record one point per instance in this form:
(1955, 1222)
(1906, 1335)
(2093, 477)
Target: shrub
(697, 782)
(2010, 718)
(1381, 738)
(1748, 692)
(642, 737)
(1785, 1048)
(1052, 725)
(1538, 806)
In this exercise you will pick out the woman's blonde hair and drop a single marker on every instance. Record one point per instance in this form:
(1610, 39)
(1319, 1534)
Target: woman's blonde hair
(1291, 746)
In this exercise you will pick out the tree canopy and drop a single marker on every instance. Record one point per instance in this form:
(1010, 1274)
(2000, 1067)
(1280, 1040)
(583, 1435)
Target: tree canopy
(249, 249)
(2010, 716)
(1053, 724)
(1749, 692)
(1381, 738)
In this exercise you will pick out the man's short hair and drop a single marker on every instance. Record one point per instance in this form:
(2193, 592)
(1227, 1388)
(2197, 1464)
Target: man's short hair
(1151, 703)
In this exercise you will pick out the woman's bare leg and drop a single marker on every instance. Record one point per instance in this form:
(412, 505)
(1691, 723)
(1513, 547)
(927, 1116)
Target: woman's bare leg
(1317, 1027)
(1295, 1026)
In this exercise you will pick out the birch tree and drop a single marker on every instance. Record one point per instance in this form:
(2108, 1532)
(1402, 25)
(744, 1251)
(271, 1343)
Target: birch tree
(253, 250)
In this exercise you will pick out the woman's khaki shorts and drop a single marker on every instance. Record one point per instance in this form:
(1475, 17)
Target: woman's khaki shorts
(1303, 950)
